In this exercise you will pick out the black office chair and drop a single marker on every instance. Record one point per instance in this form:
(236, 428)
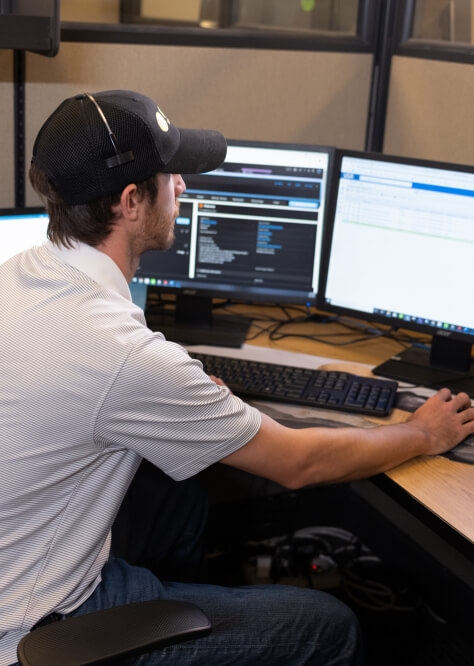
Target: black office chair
(113, 635)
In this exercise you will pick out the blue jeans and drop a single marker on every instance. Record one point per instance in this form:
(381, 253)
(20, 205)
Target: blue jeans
(256, 624)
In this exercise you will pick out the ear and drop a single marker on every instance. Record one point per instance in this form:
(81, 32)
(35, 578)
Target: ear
(129, 202)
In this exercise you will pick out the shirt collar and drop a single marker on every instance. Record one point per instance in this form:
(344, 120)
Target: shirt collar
(94, 263)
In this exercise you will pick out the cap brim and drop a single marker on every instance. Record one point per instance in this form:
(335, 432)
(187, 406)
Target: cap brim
(199, 151)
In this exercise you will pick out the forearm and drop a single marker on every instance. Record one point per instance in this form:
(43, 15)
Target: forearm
(345, 454)
(298, 457)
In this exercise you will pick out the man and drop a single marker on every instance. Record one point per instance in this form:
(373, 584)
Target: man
(87, 391)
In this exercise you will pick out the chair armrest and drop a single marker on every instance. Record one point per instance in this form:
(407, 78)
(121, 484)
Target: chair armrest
(113, 633)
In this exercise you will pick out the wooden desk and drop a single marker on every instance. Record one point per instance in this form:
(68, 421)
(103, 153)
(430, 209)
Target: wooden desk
(445, 488)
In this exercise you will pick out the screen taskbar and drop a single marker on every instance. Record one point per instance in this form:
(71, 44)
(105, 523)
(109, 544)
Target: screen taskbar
(401, 316)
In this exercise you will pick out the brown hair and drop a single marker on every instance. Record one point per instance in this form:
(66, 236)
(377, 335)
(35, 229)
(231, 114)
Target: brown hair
(89, 223)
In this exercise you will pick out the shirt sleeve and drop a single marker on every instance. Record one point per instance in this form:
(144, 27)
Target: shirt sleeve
(163, 406)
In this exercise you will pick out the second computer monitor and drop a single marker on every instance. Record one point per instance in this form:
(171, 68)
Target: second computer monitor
(250, 230)
(400, 251)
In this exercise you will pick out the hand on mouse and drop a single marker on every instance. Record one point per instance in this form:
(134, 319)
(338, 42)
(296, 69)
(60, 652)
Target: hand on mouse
(446, 419)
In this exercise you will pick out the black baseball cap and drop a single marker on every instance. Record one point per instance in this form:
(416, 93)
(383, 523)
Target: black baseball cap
(97, 144)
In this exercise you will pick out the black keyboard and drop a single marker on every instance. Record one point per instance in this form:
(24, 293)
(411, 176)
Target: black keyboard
(313, 388)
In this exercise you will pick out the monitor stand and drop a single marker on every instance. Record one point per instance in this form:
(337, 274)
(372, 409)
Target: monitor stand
(193, 322)
(447, 363)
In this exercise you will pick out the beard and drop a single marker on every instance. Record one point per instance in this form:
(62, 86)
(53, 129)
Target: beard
(158, 230)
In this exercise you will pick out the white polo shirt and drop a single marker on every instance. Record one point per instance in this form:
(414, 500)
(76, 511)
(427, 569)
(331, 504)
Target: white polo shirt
(86, 391)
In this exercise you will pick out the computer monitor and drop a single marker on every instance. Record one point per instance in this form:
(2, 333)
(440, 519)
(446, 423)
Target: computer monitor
(20, 229)
(251, 230)
(399, 250)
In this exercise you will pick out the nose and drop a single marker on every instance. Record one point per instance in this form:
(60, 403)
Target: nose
(179, 185)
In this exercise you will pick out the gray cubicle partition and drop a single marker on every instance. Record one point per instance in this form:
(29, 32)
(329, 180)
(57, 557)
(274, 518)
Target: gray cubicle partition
(430, 112)
(7, 130)
(272, 95)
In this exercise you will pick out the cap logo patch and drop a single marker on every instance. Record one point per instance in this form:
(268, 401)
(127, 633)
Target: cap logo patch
(162, 120)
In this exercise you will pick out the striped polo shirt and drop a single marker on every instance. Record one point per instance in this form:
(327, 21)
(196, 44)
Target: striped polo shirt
(86, 392)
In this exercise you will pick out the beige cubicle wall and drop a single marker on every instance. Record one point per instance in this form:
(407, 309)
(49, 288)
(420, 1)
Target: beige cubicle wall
(430, 110)
(306, 97)
(7, 162)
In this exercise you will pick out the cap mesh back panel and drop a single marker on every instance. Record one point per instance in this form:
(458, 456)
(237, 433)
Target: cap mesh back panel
(76, 145)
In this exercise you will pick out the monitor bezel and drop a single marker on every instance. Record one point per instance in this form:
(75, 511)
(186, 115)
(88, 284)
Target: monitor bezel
(24, 210)
(333, 308)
